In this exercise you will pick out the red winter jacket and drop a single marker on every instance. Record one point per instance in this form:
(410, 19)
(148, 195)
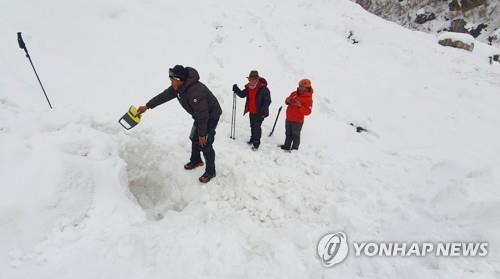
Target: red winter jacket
(299, 105)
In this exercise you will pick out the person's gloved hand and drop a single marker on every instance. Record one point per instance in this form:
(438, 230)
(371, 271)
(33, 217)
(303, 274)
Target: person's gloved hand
(142, 109)
(202, 141)
(236, 88)
(293, 101)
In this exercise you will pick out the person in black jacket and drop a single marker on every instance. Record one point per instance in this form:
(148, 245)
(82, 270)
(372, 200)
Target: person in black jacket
(203, 106)
(257, 104)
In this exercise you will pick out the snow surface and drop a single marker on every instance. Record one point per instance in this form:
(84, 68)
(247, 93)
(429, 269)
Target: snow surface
(83, 198)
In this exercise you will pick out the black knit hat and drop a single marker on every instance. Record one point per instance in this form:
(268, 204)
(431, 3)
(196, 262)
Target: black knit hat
(178, 72)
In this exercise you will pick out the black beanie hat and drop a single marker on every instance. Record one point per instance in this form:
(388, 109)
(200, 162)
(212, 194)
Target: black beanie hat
(178, 72)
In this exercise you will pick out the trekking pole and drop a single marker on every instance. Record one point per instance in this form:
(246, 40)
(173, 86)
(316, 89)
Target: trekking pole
(233, 119)
(275, 121)
(232, 115)
(23, 46)
(234, 129)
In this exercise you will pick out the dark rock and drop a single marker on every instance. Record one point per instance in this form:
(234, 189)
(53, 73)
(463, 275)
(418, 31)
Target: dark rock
(351, 38)
(366, 4)
(458, 25)
(492, 39)
(456, 44)
(495, 58)
(425, 17)
(465, 5)
(454, 6)
(475, 32)
(471, 4)
(359, 129)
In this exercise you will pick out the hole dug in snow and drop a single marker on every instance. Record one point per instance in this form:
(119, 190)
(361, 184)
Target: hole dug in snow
(156, 195)
(152, 179)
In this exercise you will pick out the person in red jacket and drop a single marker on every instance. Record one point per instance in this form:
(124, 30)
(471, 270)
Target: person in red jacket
(257, 104)
(299, 105)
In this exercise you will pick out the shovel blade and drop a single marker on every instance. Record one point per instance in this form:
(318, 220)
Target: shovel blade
(130, 119)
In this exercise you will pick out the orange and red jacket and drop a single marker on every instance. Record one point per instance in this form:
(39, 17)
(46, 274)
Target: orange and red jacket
(295, 112)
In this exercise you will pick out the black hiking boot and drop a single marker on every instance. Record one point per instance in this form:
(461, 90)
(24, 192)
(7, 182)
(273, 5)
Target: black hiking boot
(284, 147)
(191, 165)
(206, 177)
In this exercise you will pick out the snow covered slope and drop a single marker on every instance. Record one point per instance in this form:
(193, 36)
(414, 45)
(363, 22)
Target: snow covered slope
(82, 198)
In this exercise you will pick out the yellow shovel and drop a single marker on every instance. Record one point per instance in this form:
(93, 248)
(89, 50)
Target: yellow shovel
(130, 119)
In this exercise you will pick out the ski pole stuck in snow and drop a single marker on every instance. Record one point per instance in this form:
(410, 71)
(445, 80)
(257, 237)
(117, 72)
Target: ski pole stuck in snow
(22, 45)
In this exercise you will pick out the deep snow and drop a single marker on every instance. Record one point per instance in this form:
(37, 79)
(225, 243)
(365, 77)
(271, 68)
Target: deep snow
(82, 198)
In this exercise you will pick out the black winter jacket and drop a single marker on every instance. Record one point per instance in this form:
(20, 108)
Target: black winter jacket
(263, 98)
(195, 98)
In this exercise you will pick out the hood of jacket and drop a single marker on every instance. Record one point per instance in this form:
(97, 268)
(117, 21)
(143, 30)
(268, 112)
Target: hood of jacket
(192, 78)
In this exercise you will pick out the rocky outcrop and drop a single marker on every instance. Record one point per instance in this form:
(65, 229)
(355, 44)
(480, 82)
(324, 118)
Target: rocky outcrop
(465, 5)
(457, 40)
(458, 25)
(480, 18)
(424, 17)
(456, 44)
